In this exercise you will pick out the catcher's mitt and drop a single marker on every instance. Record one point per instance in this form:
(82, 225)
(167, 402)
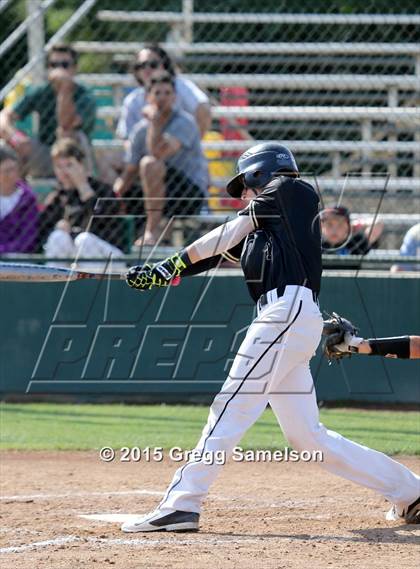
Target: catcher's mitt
(339, 333)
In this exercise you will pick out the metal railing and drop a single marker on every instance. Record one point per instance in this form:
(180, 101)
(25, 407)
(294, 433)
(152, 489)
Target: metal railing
(72, 22)
(257, 18)
(276, 81)
(252, 48)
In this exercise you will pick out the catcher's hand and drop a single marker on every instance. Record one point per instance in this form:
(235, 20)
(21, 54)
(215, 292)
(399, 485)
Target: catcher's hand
(162, 274)
(340, 334)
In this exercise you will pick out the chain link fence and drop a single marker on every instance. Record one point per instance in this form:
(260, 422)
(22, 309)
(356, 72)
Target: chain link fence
(338, 83)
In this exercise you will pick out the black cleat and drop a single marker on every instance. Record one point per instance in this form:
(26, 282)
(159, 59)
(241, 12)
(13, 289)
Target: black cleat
(162, 521)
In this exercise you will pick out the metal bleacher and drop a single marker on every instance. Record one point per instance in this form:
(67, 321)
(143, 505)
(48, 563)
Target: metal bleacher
(253, 48)
(338, 82)
(348, 109)
(353, 128)
(338, 121)
(188, 17)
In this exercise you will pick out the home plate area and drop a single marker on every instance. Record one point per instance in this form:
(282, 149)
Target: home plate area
(68, 513)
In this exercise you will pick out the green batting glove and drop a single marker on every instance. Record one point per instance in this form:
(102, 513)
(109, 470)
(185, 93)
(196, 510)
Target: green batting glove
(160, 275)
(135, 276)
(172, 266)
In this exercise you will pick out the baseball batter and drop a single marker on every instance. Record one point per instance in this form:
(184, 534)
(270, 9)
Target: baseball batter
(277, 237)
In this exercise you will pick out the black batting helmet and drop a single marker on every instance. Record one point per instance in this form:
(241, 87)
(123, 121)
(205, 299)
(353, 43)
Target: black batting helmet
(259, 164)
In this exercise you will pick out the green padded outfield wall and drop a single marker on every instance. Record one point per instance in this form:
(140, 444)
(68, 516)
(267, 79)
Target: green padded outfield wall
(94, 338)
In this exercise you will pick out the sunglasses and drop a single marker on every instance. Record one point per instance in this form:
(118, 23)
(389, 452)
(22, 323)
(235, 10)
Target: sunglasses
(63, 64)
(154, 64)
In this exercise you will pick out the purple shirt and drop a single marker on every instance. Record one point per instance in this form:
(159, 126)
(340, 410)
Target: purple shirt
(19, 229)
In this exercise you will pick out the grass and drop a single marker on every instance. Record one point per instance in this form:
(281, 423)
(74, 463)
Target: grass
(45, 426)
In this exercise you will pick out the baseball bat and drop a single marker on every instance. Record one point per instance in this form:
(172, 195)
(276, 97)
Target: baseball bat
(26, 272)
(23, 272)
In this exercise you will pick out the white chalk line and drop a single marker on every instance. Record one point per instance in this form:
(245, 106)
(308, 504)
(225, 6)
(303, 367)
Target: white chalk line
(288, 504)
(23, 498)
(39, 544)
(134, 542)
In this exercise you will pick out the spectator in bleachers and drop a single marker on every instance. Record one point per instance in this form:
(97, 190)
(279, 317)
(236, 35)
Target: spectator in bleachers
(18, 208)
(64, 107)
(189, 97)
(339, 237)
(78, 216)
(410, 248)
(165, 151)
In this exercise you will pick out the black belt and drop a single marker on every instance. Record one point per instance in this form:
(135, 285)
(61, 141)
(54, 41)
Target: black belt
(263, 300)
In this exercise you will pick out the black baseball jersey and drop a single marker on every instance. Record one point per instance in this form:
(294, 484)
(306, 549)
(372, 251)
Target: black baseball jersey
(285, 248)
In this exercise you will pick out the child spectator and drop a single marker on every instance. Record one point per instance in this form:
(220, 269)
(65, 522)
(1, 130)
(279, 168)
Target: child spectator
(18, 208)
(65, 109)
(78, 219)
(338, 236)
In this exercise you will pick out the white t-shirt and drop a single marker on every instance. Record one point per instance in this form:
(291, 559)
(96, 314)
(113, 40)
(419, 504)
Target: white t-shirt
(8, 203)
(188, 97)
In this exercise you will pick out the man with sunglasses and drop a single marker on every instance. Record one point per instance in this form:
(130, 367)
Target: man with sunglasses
(64, 107)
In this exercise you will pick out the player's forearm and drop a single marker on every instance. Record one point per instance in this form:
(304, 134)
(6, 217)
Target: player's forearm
(202, 266)
(220, 239)
(401, 347)
(364, 348)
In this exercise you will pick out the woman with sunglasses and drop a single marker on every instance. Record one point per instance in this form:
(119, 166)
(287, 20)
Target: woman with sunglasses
(189, 97)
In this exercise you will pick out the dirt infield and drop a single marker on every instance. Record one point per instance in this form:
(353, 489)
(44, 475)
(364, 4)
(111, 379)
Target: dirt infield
(271, 515)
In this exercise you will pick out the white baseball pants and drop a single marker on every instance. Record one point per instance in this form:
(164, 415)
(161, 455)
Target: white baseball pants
(272, 366)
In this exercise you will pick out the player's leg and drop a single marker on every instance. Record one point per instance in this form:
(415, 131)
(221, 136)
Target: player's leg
(297, 412)
(276, 342)
(241, 401)
(231, 414)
